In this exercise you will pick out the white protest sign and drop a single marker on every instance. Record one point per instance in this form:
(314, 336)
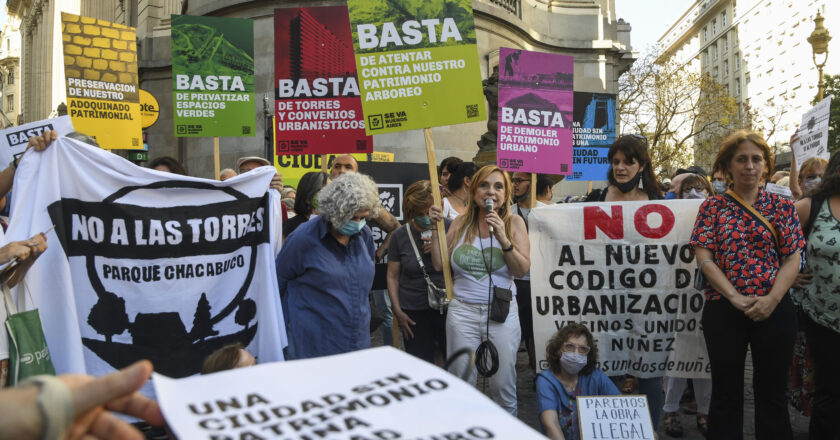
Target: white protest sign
(614, 418)
(813, 133)
(379, 393)
(13, 140)
(626, 271)
(781, 190)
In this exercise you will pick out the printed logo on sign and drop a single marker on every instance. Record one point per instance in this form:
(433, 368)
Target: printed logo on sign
(375, 122)
(282, 146)
(21, 137)
(395, 119)
(390, 196)
(189, 129)
(504, 163)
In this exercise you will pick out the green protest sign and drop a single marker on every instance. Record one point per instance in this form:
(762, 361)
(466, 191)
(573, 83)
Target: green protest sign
(213, 76)
(417, 63)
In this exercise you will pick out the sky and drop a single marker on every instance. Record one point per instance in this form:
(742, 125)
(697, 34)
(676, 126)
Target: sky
(649, 19)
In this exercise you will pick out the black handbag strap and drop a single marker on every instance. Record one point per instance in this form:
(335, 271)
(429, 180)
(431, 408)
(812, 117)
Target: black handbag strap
(419, 257)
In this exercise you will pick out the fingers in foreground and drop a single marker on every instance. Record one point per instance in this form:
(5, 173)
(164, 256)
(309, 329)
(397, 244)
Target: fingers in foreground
(106, 389)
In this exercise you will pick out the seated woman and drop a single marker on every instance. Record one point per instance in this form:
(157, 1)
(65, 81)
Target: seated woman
(572, 357)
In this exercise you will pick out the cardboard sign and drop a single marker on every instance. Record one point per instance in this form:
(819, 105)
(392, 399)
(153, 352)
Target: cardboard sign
(213, 76)
(100, 67)
(381, 393)
(318, 109)
(615, 418)
(593, 130)
(418, 63)
(14, 140)
(626, 271)
(535, 112)
(813, 133)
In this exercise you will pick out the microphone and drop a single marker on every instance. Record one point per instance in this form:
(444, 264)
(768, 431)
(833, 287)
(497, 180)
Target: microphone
(488, 204)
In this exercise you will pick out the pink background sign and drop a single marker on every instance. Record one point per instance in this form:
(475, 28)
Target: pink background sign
(535, 112)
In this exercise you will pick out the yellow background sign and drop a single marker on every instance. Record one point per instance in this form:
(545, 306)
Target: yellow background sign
(149, 109)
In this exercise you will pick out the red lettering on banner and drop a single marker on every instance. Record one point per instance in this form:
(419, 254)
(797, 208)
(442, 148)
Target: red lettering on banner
(595, 217)
(641, 221)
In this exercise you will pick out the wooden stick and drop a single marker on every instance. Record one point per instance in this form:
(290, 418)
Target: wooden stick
(589, 187)
(216, 156)
(533, 190)
(324, 160)
(441, 232)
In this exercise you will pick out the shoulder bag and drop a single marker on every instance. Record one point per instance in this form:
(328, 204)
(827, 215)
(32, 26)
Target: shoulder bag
(437, 296)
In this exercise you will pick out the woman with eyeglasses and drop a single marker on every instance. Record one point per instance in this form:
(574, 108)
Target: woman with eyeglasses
(631, 173)
(572, 357)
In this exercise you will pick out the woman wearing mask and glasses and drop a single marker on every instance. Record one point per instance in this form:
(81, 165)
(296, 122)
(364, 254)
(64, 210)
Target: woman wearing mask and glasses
(572, 357)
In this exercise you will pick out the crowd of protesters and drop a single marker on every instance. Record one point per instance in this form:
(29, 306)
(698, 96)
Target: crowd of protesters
(769, 265)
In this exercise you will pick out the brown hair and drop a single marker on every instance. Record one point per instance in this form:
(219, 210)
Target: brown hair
(225, 358)
(692, 179)
(813, 162)
(730, 145)
(416, 198)
(469, 225)
(174, 166)
(562, 336)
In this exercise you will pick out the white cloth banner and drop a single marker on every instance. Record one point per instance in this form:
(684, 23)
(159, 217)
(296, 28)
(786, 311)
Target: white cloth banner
(376, 394)
(813, 133)
(14, 140)
(626, 271)
(144, 264)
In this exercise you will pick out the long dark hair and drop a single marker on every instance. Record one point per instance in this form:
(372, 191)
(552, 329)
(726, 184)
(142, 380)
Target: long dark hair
(635, 148)
(309, 185)
(462, 170)
(830, 183)
(450, 163)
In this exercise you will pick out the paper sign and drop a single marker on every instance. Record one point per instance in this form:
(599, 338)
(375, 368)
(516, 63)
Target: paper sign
(100, 67)
(318, 109)
(535, 112)
(813, 133)
(213, 76)
(781, 190)
(593, 130)
(379, 393)
(626, 271)
(418, 63)
(614, 418)
(14, 140)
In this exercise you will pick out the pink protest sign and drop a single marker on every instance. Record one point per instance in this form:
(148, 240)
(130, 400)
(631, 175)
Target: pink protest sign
(535, 112)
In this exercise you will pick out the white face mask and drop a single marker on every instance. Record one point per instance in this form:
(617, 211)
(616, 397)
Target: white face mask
(811, 183)
(720, 186)
(694, 194)
(572, 361)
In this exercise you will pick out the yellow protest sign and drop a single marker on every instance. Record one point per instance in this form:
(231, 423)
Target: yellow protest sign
(100, 66)
(149, 109)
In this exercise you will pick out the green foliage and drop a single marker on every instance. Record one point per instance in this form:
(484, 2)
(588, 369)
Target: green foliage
(832, 89)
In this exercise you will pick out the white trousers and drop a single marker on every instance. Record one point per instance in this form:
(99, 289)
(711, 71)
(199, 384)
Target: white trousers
(466, 327)
(674, 387)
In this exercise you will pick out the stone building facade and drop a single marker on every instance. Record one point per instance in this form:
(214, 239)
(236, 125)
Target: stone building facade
(587, 29)
(10, 73)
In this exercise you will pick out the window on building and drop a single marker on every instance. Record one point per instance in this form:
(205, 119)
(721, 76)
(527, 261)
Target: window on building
(715, 76)
(714, 27)
(10, 103)
(725, 67)
(11, 77)
(705, 34)
(734, 8)
(737, 86)
(725, 43)
(715, 51)
(723, 19)
(727, 90)
(737, 61)
(747, 79)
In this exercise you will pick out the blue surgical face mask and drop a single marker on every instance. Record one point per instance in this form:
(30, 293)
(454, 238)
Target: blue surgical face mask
(670, 195)
(352, 228)
(719, 186)
(423, 221)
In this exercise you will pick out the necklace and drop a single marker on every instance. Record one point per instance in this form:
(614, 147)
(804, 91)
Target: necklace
(460, 199)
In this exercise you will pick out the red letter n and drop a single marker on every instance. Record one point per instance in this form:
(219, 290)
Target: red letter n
(594, 216)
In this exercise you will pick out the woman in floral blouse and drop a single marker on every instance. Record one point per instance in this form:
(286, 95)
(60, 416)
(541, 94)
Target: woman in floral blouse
(748, 245)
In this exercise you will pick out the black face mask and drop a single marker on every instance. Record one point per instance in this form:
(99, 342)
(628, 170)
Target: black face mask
(631, 184)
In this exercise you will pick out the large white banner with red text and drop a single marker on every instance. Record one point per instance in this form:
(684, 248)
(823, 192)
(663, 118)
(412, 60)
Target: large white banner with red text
(626, 271)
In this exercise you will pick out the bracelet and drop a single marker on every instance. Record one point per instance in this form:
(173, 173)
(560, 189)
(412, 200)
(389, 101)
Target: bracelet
(55, 403)
(509, 248)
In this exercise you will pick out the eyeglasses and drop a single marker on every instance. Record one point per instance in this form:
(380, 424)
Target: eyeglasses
(518, 180)
(582, 349)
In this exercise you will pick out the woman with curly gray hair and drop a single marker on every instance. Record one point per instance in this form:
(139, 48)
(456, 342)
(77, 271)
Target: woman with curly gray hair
(325, 271)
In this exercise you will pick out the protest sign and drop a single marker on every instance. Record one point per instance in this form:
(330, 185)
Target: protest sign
(149, 109)
(100, 67)
(626, 271)
(13, 140)
(380, 393)
(535, 112)
(144, 264)
(614, 418)
(213, 76)
(813, 133)
(783, 191)
(392, 179)
(593, 132)
(418, 63)
(292, 167)
(318, 109)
